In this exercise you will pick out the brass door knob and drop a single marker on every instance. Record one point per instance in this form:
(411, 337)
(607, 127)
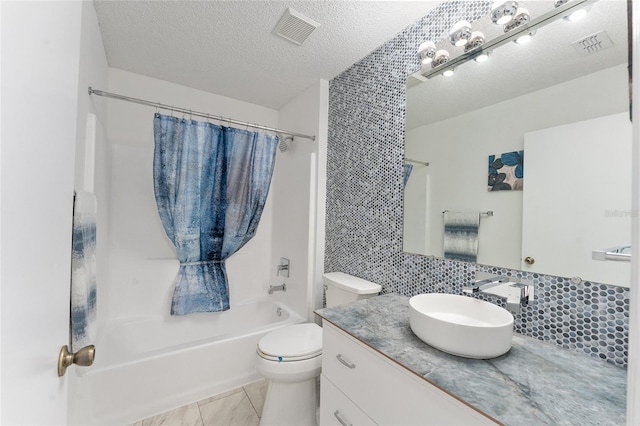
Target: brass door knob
(529, 260)
(84, 357)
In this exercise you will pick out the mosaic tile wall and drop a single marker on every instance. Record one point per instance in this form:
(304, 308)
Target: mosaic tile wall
(364, 204)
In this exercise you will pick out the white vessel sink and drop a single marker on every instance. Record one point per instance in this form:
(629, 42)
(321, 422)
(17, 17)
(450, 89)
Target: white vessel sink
(461, 325)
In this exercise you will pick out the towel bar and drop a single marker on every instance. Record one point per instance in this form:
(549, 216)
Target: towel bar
(613, 253)
(487, 213)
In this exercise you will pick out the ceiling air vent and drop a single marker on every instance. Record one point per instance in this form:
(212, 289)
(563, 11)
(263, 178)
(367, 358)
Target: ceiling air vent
(592, 43)
(295, 27)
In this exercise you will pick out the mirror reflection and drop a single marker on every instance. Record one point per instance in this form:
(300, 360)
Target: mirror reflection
(524, 161)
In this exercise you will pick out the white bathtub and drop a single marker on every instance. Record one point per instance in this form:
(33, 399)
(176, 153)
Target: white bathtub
(148, 365)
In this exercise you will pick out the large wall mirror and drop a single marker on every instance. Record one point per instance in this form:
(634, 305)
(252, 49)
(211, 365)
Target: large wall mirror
(558, 105)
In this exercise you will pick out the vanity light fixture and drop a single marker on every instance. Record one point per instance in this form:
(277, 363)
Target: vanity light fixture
(442, 56)
(522, 18)
(576, 14)
(477, 40)
(426, 52)
(522, 28)
(503, 11)
(460, 33)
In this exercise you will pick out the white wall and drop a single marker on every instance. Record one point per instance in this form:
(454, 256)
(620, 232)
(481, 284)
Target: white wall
(459, 160)
(143, 261)
(298, 194)
(40, 63)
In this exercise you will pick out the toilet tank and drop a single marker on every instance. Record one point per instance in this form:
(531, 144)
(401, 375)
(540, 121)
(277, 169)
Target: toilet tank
(341, 288)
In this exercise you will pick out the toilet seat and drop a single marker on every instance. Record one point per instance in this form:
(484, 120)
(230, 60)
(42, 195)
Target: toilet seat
(293, 343)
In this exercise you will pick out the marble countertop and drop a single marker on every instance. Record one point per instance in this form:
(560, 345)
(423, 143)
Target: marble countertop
(534, 383)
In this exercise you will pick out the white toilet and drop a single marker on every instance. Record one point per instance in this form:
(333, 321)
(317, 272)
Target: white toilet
(291, 357)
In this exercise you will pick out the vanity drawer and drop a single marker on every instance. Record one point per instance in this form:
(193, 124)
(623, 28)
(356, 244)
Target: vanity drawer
(338, 410)
(386, 392)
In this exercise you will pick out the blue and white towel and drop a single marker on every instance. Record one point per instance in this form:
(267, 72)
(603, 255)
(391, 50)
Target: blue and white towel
(83, 271)
(461, 235)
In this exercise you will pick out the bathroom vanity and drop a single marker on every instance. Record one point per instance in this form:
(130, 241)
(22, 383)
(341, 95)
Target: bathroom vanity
(376, 371)
(360, 386)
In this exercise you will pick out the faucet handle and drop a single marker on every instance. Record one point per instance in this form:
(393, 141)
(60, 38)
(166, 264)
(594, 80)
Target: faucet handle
(283, 267)
(527, 290)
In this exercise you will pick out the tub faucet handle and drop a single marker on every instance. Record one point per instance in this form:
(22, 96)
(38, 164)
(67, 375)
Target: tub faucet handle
(283, 268)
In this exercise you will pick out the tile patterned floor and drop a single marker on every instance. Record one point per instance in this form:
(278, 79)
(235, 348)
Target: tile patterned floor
(238, 407)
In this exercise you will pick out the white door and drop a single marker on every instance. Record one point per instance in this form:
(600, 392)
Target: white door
(567, 214)
(39, 89)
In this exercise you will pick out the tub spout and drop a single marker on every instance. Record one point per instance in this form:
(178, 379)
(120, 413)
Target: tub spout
(274, 288)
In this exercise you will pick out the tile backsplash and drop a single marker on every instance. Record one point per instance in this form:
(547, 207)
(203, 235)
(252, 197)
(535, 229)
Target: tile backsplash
(364, 204)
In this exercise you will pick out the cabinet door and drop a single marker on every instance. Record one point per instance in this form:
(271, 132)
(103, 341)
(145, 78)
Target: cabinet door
(388, 393)
(338, 410)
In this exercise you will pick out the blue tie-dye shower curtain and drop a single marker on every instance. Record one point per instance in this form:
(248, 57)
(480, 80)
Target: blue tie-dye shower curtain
(211, 184)
(407, 173)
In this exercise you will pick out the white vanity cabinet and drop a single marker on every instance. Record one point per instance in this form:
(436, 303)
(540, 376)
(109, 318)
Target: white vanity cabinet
(360, 386)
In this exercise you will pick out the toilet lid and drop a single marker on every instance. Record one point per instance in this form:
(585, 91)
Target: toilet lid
(295, 342)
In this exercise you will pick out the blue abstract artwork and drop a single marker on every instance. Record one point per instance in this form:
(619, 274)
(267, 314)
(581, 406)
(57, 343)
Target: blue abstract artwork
(506, 171)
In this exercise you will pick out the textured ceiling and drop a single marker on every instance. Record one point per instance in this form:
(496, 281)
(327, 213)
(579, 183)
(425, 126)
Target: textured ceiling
(228, 47)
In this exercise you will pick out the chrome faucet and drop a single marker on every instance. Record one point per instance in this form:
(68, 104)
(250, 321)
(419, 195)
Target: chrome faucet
(514, 299)
(481, 285)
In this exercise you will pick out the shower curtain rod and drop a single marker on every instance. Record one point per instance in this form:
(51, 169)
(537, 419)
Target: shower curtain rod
(411, 160)
(198, 114)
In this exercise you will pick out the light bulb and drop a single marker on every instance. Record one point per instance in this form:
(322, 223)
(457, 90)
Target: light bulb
(503, 11)
(460, 33)
(476, 40)
(426, 52)
(577, 15)
(448, 73)
(442, 56)
(483, 57)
